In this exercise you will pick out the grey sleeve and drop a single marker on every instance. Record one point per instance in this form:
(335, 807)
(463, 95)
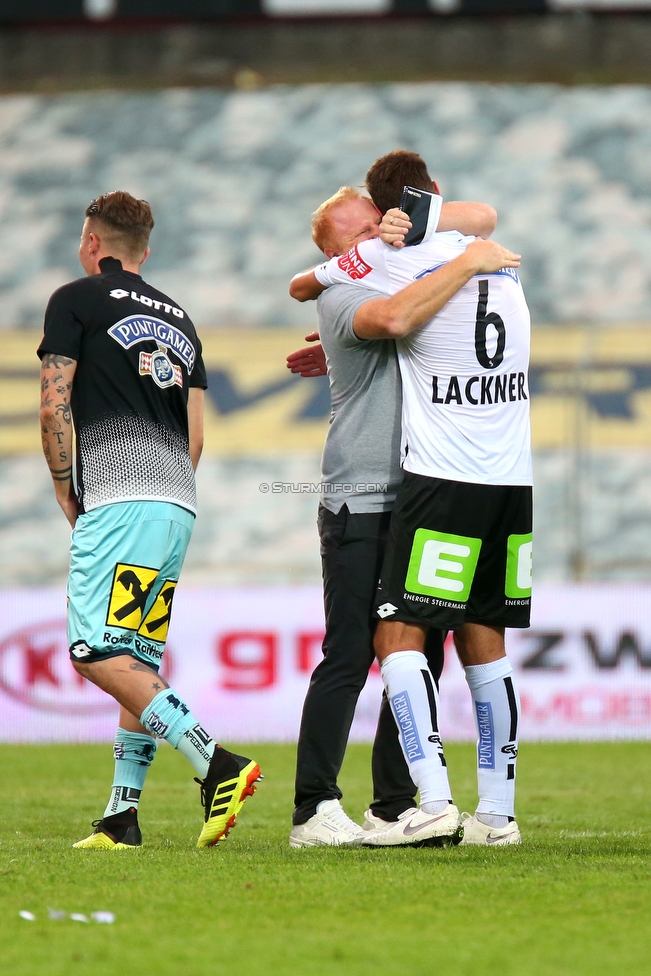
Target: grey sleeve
(336, 308)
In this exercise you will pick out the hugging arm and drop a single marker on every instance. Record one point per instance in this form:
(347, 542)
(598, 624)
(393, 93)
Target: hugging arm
(305, 286)
(470, 219)
(395, 317)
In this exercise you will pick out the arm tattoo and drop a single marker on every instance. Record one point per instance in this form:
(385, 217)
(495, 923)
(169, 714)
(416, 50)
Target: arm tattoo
(54, 359)
(63, 410)
(46, 446)
(56, 414)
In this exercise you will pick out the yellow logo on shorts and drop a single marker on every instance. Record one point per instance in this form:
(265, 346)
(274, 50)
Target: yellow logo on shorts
(132, 587)
(157, 622)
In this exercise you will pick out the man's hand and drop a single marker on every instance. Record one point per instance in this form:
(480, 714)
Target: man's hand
(469, 219)
(489, 256)
(68, 504)
(397, 316)
(308, 361)
(394, 227)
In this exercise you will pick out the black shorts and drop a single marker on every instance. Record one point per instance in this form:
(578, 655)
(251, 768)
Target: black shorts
(458, 553)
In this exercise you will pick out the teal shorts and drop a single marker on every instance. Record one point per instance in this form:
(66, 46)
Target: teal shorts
(125, 562)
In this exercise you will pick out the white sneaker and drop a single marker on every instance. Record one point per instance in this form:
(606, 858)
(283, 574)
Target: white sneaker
(329, 827)
(413, 828)
(476, 832)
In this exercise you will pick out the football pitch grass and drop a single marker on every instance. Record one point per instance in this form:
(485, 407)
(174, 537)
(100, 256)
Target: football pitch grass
(573, 900)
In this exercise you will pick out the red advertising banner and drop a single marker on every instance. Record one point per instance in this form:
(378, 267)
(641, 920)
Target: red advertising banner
(242, 659)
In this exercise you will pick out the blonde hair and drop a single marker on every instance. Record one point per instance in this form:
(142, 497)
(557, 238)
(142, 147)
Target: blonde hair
(322, 227)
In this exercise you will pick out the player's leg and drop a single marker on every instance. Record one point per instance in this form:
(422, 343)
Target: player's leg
(500, 598)
(125, 561)
(225, 777)
(394, 790)
(399, 645)
(133, 750)
(413, 697)
(140, 690)
(496, 704)
(426, 579)
(102, 539)
(352, 545)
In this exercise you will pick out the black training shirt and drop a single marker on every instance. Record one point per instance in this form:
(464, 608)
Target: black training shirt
(137, 355)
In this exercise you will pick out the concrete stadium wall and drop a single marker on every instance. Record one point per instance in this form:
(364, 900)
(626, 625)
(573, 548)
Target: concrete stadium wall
(572, 47)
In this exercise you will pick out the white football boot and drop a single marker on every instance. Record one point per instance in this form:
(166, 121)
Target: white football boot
(329, 827)
(413, 828)
(478, 833)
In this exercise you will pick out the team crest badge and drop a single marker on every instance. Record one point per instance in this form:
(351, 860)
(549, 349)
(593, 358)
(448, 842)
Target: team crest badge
(161, 369)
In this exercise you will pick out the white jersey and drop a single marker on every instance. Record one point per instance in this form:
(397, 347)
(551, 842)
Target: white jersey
(465, 413)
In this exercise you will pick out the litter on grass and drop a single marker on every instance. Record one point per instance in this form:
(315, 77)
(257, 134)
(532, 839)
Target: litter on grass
(56, 914)
(103, 918)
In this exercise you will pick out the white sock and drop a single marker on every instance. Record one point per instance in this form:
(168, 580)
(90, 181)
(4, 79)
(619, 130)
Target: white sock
(492, 819)
(413, 697)
(497, 713)
(434, 807)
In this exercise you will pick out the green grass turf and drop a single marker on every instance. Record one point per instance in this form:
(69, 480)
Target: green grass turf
(574, 899)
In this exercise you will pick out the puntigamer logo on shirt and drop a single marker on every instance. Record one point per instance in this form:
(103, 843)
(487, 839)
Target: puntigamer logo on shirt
(140, 328)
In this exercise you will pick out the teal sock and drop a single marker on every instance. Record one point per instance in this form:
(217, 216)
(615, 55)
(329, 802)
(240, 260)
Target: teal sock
(134, 753)
(169, 718)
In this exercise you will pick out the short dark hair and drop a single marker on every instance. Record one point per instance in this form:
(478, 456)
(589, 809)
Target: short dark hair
(128, 221)
(388, 174)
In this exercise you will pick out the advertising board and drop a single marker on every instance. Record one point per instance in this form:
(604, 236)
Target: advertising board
(242, 659)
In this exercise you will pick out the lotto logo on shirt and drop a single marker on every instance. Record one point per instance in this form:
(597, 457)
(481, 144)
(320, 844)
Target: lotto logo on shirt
(353, 265)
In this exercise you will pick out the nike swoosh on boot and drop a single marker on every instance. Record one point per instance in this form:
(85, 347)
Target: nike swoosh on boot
(409, 830)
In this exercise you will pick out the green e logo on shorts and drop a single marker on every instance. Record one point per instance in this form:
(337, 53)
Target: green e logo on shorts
(442, 565)
(519, 553)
